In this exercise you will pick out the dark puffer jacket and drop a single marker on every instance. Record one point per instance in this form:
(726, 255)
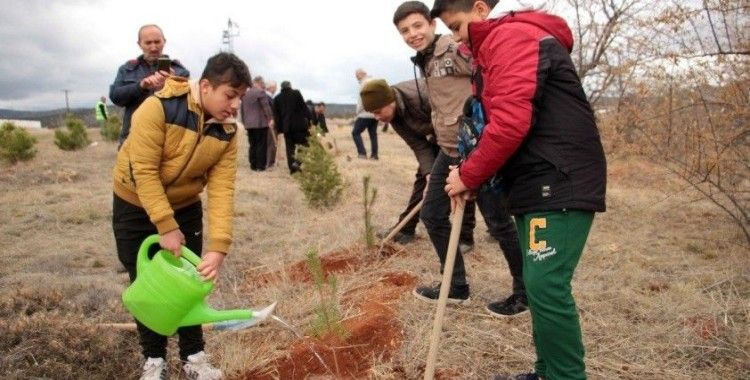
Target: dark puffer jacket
(540, 128)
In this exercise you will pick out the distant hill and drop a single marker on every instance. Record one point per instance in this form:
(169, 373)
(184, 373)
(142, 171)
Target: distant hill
(54, 118)
(335, 110)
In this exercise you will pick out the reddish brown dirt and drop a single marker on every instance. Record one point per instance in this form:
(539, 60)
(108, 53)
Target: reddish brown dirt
(374, 333)
(342, 261)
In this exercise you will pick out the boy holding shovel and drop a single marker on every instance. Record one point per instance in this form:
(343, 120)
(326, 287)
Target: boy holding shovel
(447, 67)
(183, 138)
(542, 136)
(406, 109)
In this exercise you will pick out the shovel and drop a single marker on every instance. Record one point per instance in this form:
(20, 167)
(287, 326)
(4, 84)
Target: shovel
(458, 216)
(400, 225)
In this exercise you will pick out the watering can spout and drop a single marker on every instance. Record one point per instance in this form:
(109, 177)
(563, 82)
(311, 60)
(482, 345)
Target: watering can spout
(202, 313)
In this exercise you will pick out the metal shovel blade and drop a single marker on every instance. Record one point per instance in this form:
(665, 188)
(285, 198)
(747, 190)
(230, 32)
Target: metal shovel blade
(258, 316)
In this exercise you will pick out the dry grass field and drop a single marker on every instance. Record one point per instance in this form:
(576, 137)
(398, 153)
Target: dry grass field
(663, 286)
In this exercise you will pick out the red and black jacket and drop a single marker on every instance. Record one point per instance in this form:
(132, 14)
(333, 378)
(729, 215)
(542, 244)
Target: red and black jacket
(541, 133)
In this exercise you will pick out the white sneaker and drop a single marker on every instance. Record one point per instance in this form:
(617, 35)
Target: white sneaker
(154, 369)
(197, 367)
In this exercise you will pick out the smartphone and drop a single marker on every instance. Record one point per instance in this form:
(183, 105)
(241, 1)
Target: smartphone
(163, 63)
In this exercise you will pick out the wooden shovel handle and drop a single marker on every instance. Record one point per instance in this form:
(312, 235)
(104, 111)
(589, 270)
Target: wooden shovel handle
(437, 326)
(403, 222)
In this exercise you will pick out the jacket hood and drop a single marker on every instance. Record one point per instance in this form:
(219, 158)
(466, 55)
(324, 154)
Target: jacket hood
(554, 25)
(174, 86)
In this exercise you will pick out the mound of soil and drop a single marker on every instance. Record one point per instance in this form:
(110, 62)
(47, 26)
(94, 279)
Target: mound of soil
(374, 333)
(342, 261)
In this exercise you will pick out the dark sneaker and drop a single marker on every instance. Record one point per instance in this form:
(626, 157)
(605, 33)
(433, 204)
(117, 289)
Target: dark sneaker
(514, 305)
(374, 158)
(465, 248)
(456, 295)
(523, 376)
(362, 156)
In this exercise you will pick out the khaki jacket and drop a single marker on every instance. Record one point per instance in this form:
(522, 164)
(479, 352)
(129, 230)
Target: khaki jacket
(448, 74)
(171, 154)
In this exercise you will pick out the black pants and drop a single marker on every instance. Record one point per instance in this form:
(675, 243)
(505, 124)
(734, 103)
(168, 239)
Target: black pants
(292, 139)
(436, 212)
(417, 193)
(493, 207)
(257, 153)
(131, 226)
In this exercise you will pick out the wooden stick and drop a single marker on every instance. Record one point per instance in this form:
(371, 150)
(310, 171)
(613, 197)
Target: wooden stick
(458, 216)
(401, 224)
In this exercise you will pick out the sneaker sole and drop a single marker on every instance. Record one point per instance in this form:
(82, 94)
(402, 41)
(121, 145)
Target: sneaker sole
(452, 301)
(498, 315)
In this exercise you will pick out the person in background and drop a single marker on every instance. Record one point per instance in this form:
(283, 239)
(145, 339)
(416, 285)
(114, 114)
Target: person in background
(320, 115)
(273, 131)
(291, 116)
(101, 111)
(184, 139)
(257, 117)
(311, 110)
(364, 121)
(139, 78)
(541, 135)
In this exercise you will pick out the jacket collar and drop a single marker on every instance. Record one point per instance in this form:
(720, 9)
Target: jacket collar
(422, 56)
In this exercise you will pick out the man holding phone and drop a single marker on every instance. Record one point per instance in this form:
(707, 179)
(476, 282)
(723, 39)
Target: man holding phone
(139, 78)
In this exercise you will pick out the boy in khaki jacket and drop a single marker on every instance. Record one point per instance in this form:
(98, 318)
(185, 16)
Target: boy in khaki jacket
(447, 67)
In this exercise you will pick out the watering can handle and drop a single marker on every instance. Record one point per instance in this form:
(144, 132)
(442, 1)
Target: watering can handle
(154, 239)
(190, 256)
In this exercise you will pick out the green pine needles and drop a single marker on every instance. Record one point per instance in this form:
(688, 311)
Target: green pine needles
(368, 200)
(74, 136)
(16, 144)
(327, 318)
(319, 178)
(111, 129)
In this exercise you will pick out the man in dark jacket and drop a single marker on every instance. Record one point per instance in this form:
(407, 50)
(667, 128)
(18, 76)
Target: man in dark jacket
(257, 116)
(541, 135)
(292, 118)
(139, 78)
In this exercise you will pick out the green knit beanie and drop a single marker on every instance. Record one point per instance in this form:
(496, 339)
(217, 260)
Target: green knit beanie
(376, 94)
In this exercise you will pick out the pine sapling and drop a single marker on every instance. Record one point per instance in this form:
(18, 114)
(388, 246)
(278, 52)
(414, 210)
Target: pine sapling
(327, 318)
(368, 200)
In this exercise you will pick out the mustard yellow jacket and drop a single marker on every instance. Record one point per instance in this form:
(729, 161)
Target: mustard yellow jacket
(171, 155)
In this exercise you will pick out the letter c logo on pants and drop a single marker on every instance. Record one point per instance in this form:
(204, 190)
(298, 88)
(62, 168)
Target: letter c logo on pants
(535, 223)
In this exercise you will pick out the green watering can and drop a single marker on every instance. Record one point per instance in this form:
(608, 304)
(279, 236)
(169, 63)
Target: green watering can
(169, 292)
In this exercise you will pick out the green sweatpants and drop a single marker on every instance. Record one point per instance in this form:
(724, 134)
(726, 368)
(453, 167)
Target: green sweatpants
(552, 243)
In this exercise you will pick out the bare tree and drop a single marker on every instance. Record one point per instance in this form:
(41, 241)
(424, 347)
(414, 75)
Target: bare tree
(690, 100)
(674, 80)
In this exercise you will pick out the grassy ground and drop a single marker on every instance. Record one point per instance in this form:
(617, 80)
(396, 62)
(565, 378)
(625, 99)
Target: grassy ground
(663, 286)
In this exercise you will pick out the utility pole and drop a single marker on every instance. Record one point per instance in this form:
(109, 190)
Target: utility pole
(232, 30)
(67, 104)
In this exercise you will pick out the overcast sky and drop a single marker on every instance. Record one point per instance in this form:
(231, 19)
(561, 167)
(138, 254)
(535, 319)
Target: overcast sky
(48, 46)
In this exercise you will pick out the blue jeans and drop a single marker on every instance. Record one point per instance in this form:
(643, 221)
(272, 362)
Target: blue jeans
(372, 129)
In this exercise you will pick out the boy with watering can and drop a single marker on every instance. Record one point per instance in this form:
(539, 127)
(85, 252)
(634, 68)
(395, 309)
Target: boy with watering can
(182, 139)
